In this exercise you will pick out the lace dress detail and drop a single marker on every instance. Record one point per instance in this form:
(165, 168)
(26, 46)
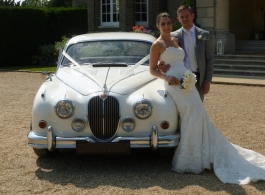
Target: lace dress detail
(201, 144)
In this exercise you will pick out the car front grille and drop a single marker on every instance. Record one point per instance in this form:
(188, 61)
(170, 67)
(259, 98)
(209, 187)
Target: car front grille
(103, 116)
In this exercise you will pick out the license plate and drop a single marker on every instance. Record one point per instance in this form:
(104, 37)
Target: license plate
(83, 147)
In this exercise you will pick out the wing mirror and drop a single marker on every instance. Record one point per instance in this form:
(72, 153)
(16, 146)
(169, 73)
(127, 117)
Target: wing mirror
(46, 75)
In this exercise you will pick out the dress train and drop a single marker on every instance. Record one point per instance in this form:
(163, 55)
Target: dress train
(201, 144)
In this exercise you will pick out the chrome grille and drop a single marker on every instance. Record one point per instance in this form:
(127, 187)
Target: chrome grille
(103, 116)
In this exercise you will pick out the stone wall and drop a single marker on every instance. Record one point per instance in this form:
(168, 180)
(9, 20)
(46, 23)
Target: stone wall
(206, 14)
(172, 7)
(127, 16)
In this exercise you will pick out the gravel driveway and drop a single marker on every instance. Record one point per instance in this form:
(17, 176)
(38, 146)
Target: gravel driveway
(238, 111)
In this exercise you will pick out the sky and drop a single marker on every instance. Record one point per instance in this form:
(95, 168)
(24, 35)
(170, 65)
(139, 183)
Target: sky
(19, 0)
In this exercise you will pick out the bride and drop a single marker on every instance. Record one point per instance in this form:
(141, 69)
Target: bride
(202, 146)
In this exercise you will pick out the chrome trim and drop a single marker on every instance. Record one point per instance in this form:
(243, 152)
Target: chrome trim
(154, 138)
(99, 120)
(48, 75)
(51, 144)
(164, 141)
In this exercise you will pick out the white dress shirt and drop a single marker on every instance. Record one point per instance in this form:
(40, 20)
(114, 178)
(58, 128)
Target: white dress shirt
(185, 37)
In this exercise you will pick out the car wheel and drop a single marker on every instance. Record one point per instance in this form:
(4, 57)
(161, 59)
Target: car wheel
(44, 152)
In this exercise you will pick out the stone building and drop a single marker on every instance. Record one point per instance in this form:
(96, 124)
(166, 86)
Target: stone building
(227, 20)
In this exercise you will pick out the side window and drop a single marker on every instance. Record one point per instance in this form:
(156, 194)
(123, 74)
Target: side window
(110, 12)
(141, 12)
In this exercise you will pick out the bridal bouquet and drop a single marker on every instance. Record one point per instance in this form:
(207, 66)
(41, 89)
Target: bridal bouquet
(188, 80)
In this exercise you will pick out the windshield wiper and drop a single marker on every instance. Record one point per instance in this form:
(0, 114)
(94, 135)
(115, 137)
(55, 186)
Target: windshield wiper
(68, 64)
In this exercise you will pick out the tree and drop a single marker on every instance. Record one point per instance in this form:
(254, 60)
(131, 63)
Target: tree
(188, 2)
(9, 3)
(47, 3)
(60, 3)
(35, 3)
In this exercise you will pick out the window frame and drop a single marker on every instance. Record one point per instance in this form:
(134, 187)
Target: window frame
(111, 23)
(143, 23)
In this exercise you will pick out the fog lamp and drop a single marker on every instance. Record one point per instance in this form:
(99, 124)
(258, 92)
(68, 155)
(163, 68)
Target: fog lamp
(78, 124)
(128, 124)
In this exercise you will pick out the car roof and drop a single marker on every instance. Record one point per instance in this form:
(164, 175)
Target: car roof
(112, 36)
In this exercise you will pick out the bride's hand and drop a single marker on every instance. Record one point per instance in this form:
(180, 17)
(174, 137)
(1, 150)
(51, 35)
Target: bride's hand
(172, 80)
(163, 67)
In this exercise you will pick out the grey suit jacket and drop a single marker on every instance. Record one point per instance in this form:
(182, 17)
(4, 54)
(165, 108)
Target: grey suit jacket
(204, 52)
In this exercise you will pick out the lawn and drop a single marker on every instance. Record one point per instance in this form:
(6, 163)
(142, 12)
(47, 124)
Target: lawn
(30, 68)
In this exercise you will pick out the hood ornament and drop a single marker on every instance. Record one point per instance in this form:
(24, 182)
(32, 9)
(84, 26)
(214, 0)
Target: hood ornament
(105, 88)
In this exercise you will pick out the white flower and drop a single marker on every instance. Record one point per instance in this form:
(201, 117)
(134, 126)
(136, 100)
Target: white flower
(187, 73)
(188, 80)
(186, 85)
(202, 38)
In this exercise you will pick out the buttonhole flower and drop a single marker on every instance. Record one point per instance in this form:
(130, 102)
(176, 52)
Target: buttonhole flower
(202, 38)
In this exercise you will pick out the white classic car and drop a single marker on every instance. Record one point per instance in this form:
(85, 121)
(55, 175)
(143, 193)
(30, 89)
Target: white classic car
(102, 99)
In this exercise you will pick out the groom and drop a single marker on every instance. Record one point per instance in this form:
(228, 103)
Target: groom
(199, 56)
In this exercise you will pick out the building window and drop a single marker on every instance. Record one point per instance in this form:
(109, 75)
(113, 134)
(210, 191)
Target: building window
(110, 12)
(141, 12)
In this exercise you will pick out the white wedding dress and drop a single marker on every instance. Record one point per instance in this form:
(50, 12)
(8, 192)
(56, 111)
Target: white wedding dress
(201, 144)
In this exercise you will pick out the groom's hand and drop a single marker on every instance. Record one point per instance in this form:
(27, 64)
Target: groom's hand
(206, 87)
(162, 67)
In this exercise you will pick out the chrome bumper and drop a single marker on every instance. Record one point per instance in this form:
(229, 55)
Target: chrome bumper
(52, 141)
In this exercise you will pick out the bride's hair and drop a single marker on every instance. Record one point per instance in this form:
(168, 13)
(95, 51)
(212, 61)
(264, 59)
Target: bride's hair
(161, 15)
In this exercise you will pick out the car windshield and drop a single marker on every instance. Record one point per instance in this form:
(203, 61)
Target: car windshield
(111, 52)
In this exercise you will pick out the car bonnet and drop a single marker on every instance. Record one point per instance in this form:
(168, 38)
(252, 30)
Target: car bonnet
(86, 85)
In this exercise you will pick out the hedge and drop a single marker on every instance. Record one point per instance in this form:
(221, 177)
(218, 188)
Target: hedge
(24, 29)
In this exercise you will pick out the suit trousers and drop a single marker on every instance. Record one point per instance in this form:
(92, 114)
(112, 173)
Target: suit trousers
(197, 85)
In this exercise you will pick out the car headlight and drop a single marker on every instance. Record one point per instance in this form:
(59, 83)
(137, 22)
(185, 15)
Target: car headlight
(64, 108)
(128, 124)
(142, 108)
(78, 124)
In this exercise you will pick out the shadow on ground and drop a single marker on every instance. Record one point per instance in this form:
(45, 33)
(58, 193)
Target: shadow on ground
(138, 170)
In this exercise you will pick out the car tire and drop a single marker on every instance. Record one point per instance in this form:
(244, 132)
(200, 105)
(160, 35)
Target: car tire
(166, 152)
(44, 153)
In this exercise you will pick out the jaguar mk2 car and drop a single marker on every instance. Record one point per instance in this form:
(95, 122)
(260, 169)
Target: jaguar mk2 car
(102, 99)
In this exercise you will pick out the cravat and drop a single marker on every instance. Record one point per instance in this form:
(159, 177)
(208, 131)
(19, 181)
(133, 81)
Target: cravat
(191, 49)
